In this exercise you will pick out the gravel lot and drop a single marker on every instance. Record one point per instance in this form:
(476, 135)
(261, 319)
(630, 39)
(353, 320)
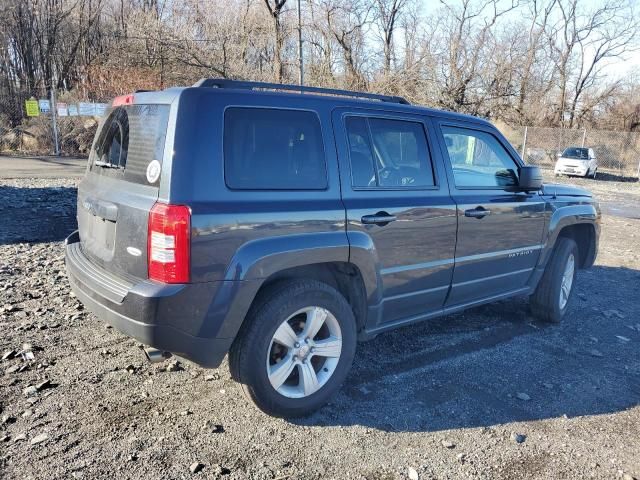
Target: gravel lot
(488, 393)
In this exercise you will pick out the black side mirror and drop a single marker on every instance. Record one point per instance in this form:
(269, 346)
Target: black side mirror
(530, 178)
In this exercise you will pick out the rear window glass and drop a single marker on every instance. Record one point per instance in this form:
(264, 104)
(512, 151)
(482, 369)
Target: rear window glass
(128, 140)
(272, 149)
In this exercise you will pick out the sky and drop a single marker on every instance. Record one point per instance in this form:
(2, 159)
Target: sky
(615, 69)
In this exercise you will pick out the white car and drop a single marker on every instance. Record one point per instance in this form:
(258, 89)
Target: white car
(577, 161)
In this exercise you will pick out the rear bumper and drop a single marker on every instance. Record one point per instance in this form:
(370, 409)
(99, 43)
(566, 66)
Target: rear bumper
(148, 311)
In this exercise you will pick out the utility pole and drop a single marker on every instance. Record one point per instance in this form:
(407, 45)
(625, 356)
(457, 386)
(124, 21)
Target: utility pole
(300, 61)
(54, 112)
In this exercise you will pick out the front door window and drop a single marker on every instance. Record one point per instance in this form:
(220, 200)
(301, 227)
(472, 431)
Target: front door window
(478, 159)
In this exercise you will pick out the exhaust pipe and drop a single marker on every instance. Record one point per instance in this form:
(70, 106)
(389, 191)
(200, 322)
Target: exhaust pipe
(156, 356)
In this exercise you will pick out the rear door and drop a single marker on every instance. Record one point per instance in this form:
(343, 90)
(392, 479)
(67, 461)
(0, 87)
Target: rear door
(397, 198)
(120, 187)
(499, 229)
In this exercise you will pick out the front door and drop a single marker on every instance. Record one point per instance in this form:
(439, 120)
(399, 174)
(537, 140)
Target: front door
(499, 228)
(398, 207)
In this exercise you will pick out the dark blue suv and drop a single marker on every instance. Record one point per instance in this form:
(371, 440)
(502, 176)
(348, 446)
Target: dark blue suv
(280, 224)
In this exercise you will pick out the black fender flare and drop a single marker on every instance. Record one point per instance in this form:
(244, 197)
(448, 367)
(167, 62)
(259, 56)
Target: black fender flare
(363, 254)
(565, 216)
(257, 260)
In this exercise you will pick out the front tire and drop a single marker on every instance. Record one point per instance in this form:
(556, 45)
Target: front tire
(550, 300)
(295, 347)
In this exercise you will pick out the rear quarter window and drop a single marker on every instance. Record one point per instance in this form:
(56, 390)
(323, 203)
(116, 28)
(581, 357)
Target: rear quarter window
(128, 140)
(273, 149)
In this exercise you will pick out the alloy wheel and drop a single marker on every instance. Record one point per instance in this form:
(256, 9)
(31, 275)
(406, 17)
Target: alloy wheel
(304, 352)
(567, 281)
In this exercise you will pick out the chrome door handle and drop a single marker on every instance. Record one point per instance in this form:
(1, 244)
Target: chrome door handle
(380, 218)
(478, 212)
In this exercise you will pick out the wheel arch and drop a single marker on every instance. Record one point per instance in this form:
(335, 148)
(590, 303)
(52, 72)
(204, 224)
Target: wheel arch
(583, 234)
(325, 257)
(580, 223)
(345, 277)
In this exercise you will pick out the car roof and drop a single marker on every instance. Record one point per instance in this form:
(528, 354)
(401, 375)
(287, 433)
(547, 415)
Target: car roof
(309, 95)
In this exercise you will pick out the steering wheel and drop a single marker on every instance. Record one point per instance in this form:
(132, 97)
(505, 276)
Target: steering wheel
(390, 176)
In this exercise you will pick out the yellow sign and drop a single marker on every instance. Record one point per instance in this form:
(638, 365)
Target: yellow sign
(33, 110)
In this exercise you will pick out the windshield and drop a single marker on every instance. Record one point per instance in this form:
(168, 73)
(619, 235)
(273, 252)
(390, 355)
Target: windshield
(574, 152)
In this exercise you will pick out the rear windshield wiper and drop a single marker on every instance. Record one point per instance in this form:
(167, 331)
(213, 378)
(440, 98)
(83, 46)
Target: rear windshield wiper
(100, 163)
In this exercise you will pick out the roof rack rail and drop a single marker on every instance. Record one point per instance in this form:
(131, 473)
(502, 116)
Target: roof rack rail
(240, 84)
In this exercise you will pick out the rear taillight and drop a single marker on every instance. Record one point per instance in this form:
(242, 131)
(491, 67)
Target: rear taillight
(169, 243)
(122, 100)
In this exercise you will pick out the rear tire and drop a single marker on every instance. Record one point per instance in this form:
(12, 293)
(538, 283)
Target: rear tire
(287, 366)
(550, 300)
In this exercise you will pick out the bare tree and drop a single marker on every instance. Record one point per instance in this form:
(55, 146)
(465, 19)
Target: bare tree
(583, 42)
(465, 32)
(346, 20)
(533, 59)
(520, 61)
(275, 8)
(388, 13)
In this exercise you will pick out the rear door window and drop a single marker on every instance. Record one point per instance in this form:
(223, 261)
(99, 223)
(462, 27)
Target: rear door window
(128, 140)
(388, 153)
(273, 149)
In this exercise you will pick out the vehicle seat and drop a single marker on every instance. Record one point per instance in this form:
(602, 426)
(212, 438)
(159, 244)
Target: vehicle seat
(361, 169)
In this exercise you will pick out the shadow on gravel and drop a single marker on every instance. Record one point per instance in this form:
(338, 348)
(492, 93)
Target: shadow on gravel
(36, 214)
(495, 364)
(602, 176)
(616, 177)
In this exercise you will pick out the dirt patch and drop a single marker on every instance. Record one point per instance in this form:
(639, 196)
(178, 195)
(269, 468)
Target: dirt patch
(485, 393)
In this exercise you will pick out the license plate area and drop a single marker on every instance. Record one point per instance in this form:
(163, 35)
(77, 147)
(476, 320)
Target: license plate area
(100, 236)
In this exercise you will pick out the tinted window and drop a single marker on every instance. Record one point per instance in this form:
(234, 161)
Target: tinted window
(269, 149)
(128, 139)
(362, 173)
(388, 153)
(113, 142)
(478, 159)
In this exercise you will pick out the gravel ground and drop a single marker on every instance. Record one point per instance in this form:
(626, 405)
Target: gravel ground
(488, 393)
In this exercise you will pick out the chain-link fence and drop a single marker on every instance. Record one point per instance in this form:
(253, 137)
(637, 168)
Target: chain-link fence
(617, 153)
(36, 122)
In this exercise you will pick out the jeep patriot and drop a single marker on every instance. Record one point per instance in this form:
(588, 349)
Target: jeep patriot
(281, 224)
